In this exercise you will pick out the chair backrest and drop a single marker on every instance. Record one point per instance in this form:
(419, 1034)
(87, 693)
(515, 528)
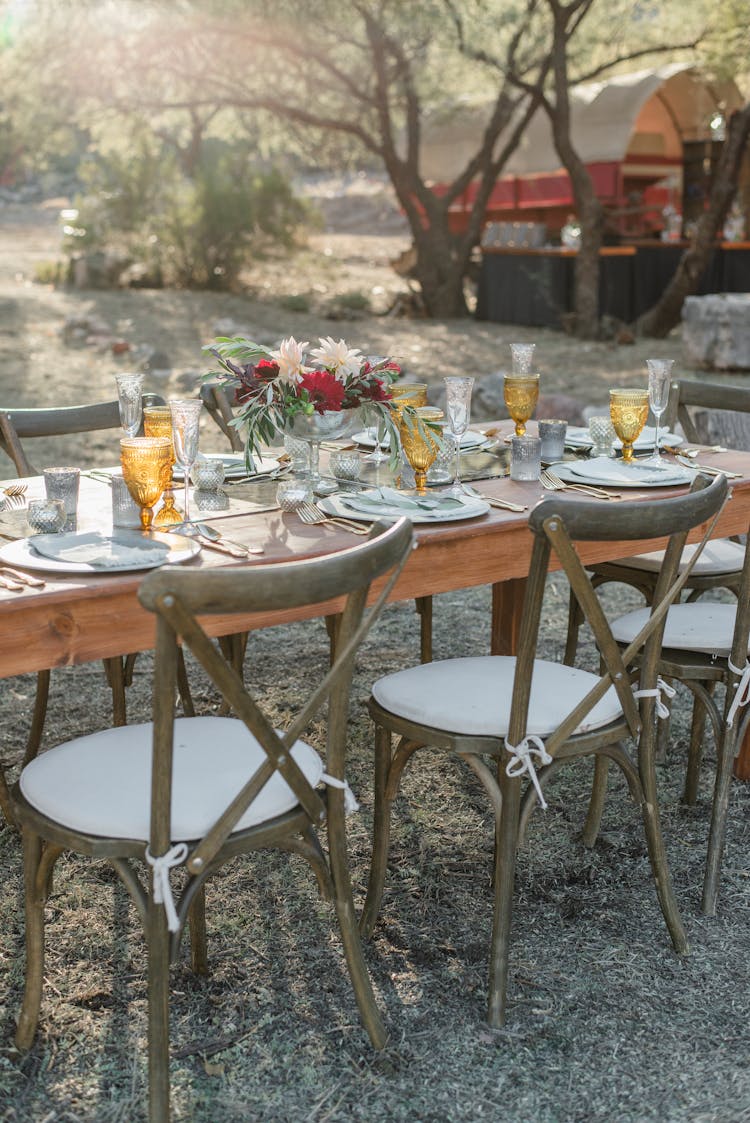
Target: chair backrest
(557, 525)
(17, 425)
(178, 596)
(708, 412)
(218, 407)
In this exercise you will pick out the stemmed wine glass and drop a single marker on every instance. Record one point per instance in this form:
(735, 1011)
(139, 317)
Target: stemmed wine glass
(458, 407)
(185, 418)
(521, 388)
(130, 400)
(378, 430)
(659, 379)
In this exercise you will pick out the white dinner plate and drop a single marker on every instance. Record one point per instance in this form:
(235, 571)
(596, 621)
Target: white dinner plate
(179, 549)
(347, 506)
(470, 440)
(234, 464)
(577, 437)
(605, 472)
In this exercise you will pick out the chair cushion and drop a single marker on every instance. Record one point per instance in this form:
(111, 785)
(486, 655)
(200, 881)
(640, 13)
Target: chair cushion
(101, 784)
(473, 696)
(721, 555)
(690, 627)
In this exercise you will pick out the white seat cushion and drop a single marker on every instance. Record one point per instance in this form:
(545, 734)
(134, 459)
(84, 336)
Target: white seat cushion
(473, 696)
(689, 627)
(721, 555)
(101, 784)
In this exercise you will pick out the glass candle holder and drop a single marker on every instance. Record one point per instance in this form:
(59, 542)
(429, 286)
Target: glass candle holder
(46, 516)
(63, 484)
(211, 500)
(602, 434)
(552, 434)
(298, 452)
(525, 458)
(207, 474)
(293, 491)
(345, 464)
(442, 467)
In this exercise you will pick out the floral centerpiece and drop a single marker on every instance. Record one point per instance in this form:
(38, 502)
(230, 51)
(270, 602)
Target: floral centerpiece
(312, 395)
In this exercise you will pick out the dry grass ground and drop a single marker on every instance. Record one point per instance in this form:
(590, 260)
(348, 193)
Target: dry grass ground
(605, 1023)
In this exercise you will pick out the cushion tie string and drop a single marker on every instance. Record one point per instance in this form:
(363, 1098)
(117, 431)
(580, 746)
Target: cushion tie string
(162, 887)
(742, 691)
(520, 761)
(350, 802)
(662, 687)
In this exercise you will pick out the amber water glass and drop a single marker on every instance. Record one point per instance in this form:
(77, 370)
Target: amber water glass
(521, 393)
(419, 443)
(146, 466)
(157, 422)
(629, 412)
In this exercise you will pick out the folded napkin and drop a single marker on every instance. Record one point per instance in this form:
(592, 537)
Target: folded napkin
(100, 550)
(388, 499)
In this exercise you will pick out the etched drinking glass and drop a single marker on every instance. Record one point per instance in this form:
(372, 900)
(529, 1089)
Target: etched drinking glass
(457, 409)
(157, 422)
(629, 412)
(659, 381)
(130, 399)
(419, 442)
(185, 420)
(146, 464)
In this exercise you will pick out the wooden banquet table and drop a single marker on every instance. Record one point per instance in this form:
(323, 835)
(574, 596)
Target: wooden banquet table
(77, 619)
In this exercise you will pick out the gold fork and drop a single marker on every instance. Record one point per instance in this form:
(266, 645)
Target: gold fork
(552, 482)
(311, 515)
(15, 494)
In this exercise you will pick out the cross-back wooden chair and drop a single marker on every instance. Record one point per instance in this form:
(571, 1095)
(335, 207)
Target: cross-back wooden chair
(720, 564)
(705, 645)
(16, 427)
(498, 713)
(195, 792)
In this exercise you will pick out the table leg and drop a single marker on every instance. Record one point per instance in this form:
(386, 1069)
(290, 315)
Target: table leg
(507, 606)
(742, 762)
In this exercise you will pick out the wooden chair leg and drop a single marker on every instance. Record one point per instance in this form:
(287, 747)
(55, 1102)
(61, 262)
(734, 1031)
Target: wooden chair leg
(656, 851)
(129, 667)
(198, 942)
(6, 806)
(158, 1013)
(423, 606)
(381, 832)
(695, 751)
(35, 897)
(506, 845)
(350, 936)
(596, 802)
(37, 719)
(183, 686)
(575, 619)
(718, 831)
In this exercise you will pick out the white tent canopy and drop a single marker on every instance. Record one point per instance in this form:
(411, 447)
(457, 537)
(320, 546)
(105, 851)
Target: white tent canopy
(649, 113)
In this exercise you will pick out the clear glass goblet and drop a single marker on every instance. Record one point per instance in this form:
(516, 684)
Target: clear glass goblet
(457, 409)
(629, 412)
(130, 400)
(659, 381)
(522, 357)
(185, 420)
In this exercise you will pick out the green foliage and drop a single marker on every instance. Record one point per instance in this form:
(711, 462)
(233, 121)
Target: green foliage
(295, 302)
(190, 231)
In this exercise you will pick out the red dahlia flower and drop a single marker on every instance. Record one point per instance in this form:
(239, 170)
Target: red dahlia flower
(323, 389)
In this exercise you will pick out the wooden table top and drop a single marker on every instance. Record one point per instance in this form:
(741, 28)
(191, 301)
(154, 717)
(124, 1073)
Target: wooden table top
(77, 619)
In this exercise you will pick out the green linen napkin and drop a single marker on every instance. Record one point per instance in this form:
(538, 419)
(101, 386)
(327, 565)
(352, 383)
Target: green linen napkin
(387, 498)
(100, 550)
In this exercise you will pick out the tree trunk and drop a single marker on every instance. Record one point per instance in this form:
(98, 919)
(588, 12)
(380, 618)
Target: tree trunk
(658, 321)
(586, 303)
(440, 272)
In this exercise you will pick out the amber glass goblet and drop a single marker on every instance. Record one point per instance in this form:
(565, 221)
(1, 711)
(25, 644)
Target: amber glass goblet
(405, 394)
(146, 463)
(157, 422)
(629, 412)
(420, 443)
(521, 393)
